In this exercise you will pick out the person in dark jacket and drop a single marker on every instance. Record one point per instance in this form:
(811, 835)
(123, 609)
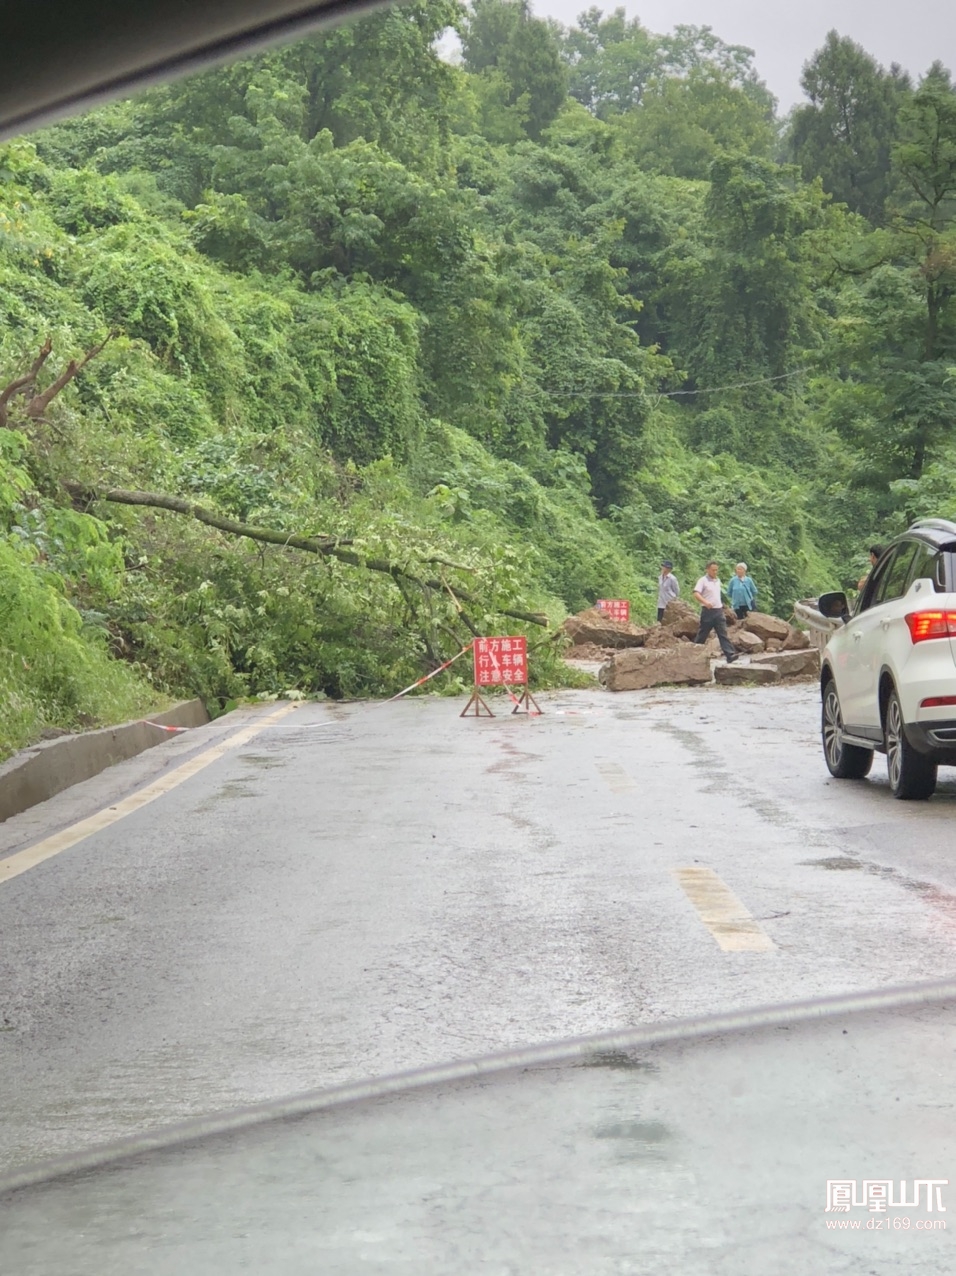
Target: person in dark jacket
(876, 553)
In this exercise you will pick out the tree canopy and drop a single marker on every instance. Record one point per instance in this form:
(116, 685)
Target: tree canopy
(463, 340)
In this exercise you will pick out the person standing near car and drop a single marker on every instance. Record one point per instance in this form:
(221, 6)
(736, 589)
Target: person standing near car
(668, 588)
(707, 591)
(876, 553)
(742, 592)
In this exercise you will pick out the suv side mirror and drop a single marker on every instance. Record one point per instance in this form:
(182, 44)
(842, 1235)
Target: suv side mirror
(834, 606)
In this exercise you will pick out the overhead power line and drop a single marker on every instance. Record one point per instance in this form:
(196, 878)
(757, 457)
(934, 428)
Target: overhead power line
(670, 394)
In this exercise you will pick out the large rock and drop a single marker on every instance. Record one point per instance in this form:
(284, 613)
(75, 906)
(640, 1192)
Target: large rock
(767, 627)
(681, 619)
(746, 675)
(595, 626)
(661, 637)
(676, 610)
(797, 640)
(791, 664)
(649, 667)
(745, 641)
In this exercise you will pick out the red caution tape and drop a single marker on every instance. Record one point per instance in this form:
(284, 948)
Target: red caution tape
(464, 651)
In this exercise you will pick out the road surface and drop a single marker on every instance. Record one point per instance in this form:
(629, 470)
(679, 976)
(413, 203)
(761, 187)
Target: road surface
(357, 889)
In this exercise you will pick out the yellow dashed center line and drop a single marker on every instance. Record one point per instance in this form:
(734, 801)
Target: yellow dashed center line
(31, 856)
(617, 778)
(734, 928)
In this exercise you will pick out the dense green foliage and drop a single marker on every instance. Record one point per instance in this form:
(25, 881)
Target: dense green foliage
(517, 327)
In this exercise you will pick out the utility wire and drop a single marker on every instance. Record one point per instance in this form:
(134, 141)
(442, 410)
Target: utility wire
(669, 394)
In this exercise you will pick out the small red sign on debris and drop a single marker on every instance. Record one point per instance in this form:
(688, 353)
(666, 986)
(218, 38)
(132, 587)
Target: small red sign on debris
(501, 662)
(616, 608)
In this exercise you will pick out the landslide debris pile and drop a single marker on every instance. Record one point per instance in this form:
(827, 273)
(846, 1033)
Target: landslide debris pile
(639, 657)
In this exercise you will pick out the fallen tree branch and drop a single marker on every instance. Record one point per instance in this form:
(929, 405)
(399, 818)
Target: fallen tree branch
(40, 402)
(329, 546)
(37, 404)
(22, 383)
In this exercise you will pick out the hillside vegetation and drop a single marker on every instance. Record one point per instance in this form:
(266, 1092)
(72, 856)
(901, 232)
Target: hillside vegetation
(439, 349)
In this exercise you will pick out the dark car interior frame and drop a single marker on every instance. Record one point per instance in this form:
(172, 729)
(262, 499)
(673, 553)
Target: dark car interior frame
(65, 56)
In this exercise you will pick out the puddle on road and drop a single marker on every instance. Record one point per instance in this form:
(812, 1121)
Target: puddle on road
(264, 760)
(932, 893)
(835, 863)
(509, 765)
(640, 1131)
(636, 1140)
(707, 760)
(231, 789)
(623, 1060)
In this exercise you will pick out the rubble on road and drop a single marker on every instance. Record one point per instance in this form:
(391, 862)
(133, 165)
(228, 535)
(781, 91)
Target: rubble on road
(586, 651)
(791, 664)
(766, 627)
(661, 637)
(746, 642)
(744, 675)
(665, 653)
(681, 619)
(650, 667)
(595, 626)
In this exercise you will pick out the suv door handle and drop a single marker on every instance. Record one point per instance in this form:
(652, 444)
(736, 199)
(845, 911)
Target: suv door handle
(857, 636)
(885, 625)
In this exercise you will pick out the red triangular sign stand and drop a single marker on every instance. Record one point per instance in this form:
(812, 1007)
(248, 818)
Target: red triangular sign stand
(480, 709)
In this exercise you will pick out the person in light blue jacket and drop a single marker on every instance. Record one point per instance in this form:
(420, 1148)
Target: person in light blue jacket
(742, 592)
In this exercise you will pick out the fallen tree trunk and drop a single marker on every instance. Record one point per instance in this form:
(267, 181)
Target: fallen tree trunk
(326, 546)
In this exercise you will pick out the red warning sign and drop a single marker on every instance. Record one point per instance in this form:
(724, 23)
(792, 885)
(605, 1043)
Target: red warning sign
(501, 662)
(616, 608)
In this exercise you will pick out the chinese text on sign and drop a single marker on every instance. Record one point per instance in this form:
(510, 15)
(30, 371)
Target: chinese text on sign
(501, 662)
(616, 608)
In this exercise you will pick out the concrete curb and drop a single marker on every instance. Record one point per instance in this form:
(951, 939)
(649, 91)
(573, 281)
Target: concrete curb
(46, 769)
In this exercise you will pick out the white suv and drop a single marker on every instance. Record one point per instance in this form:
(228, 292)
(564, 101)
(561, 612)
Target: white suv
(888, 676)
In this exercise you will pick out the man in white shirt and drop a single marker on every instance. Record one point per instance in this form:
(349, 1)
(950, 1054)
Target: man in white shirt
(707, 592)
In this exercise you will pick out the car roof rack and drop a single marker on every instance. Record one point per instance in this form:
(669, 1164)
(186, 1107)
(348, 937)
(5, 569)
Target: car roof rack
(934, 525)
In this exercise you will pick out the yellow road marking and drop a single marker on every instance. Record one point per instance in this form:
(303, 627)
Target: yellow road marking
(31, 856)
(734, 928)
(617, 778)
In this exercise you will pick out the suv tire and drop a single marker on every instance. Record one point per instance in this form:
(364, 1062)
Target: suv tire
(844, 761)
(912, 775)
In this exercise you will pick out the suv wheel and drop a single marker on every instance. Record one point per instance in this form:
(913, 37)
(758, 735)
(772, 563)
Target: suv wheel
(845, 761)
(911, 774)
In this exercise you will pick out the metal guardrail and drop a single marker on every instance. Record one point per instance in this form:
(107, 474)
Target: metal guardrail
(820, 626)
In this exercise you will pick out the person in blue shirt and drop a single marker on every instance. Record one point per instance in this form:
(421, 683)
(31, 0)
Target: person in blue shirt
(742, 592)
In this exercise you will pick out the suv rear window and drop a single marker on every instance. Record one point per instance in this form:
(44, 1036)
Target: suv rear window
(892, 583)
(927, 565)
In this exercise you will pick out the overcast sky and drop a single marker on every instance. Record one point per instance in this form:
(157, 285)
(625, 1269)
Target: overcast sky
(784, 35)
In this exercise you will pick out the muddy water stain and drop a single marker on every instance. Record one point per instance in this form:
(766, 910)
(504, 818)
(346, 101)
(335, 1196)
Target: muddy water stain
(264, 761)
(647, 1132)
(834, 863)
(619, 1060)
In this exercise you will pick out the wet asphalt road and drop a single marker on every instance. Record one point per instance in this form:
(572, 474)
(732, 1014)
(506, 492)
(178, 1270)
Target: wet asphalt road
(366, 888)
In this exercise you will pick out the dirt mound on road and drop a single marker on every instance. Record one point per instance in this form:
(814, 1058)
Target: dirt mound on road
(595, 626)
(588, 651)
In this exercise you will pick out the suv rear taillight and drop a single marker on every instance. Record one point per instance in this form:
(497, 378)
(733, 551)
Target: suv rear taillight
(931, 624)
